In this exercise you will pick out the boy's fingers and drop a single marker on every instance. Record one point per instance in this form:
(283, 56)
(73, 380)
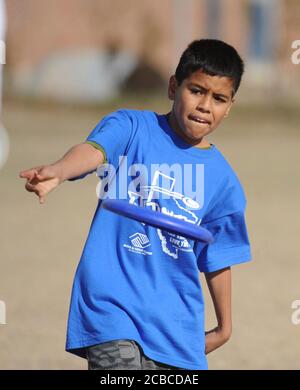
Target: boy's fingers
(24, 173)
(28, 174)
(45, 173)
(33, 186)
(42, 176)
(42, 196)
(30, 187)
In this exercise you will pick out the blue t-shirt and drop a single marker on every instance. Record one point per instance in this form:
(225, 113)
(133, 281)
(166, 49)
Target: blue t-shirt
(141, 283)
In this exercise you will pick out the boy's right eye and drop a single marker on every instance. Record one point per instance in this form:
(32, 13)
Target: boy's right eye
(196, 91)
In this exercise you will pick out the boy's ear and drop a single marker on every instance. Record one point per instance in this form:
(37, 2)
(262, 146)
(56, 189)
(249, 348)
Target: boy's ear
(172, 87)
(229, 108)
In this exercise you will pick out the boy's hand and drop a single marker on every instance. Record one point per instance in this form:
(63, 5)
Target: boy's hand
(215, 338)
(41, 180)
(80, 159)
(219, 284)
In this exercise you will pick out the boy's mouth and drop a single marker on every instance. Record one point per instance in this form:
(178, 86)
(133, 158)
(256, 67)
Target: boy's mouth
(198, 119)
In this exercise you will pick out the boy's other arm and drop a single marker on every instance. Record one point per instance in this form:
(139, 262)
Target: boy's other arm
(219, 284)
(80, 159)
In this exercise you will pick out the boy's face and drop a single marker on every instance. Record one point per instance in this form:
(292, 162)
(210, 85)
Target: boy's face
(200, 104)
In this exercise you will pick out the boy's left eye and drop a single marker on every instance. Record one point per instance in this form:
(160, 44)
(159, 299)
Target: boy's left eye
(219, 99)
(200, 92)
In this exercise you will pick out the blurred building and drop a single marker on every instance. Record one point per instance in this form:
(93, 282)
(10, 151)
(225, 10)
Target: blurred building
(88, 50)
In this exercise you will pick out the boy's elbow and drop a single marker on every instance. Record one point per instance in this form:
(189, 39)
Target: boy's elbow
(227, 335)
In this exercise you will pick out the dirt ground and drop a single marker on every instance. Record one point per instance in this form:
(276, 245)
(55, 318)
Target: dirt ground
(40, 245)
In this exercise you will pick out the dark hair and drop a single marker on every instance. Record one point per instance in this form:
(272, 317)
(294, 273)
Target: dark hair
(213, 57)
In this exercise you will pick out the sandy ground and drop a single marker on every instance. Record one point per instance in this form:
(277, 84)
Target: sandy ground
(40, 245)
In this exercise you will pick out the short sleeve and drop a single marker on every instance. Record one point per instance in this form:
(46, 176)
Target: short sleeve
(225, 219)
(112, 136)
(231, 243)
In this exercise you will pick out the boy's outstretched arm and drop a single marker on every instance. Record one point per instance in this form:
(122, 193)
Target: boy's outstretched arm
(219, 284)
(80, 159)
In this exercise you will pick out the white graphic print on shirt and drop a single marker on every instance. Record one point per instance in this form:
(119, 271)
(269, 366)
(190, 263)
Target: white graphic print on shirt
(169, 202)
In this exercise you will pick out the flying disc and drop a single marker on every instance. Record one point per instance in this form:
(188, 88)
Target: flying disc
(158, 220)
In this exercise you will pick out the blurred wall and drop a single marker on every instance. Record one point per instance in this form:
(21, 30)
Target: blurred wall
(38, 28)
(153, 32)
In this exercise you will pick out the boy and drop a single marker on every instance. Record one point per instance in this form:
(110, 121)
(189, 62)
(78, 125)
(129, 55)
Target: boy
(137, 301)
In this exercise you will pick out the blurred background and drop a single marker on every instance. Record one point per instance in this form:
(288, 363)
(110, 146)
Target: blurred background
(67, 63)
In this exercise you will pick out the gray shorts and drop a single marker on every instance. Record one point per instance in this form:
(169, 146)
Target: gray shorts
(121, 355)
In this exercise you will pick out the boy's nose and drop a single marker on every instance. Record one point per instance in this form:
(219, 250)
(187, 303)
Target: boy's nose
(204, 105)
